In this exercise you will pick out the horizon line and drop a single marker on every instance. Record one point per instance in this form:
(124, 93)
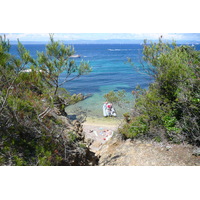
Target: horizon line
(85, 41)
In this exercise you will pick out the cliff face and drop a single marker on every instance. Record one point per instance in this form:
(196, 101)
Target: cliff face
(77, 152)
(117, 152)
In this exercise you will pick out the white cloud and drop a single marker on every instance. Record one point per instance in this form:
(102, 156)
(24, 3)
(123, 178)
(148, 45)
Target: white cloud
(105, 36)
(27, 36)
(154, 36)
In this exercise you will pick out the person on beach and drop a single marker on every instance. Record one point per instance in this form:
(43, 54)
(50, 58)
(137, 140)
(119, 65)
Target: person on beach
(113, 112)
(105, 111)
(109, 107)
(108, 110)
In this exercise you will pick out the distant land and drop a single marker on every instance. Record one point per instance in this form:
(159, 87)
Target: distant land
(111, 41)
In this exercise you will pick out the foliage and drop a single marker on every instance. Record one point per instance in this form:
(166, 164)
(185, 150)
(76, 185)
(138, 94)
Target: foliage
(29, 134)
(118, 97)
(127, 117)
(56, 60)
(172, 100)
(136, 127)
(76, 98)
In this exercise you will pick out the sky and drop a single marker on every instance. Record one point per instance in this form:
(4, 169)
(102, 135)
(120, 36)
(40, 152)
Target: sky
(103, 36)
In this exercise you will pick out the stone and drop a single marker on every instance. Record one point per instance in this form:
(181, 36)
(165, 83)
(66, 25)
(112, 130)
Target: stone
(96, 144)
(168, 148)
(196, 152)
(138, 142)
(89, 141)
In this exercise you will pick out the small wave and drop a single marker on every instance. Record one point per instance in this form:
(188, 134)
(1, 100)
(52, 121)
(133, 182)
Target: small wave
(120, 49)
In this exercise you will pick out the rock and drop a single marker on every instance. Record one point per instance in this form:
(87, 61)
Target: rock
(74, 122)
(128, 141)
(77, 155)
(196, 152)
(138, 142)
(80, 96)
(89, 141)
(96, 145)
(168, 148)
(77, 97)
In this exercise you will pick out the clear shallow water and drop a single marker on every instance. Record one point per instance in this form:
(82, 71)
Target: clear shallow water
(93, 105)
(110, 72)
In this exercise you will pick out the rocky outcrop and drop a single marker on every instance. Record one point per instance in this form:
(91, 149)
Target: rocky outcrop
(118, 152)
(76, 149)
(63, 99)
(78, 128)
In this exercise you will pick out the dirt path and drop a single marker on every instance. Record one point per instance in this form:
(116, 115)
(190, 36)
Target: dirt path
(115, 152)
(146, 153)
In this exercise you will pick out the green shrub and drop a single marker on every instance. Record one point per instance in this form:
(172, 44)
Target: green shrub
(118, 97)
(127, 117)
(172, 100)
(72, 137)
(138, 126)
(28, 133)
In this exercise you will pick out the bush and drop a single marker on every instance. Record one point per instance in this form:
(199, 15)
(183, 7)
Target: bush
(136, 127)
(172, 101)
(118, 97)
(29, 133)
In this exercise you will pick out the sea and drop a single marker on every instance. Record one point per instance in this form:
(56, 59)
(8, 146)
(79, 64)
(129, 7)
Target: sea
(110, 72)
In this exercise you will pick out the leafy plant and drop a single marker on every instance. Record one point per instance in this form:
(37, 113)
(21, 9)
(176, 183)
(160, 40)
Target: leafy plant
(118, 97)
(56, 60)
(172, 100)
(29, 89)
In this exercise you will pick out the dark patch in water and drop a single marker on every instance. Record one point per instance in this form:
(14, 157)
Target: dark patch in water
(72, 117)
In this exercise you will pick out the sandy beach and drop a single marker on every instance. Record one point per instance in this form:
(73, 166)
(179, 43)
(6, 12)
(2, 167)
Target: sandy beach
(99, 130)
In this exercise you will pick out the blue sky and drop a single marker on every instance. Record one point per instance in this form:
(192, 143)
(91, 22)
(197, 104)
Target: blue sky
(102, 36)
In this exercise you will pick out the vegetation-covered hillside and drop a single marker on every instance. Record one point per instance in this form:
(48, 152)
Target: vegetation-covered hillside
(32, 130)
(169, 109)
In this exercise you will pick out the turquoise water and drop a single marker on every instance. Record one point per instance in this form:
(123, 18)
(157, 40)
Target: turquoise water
(92, 106)
(109, 68)
(110, 72)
